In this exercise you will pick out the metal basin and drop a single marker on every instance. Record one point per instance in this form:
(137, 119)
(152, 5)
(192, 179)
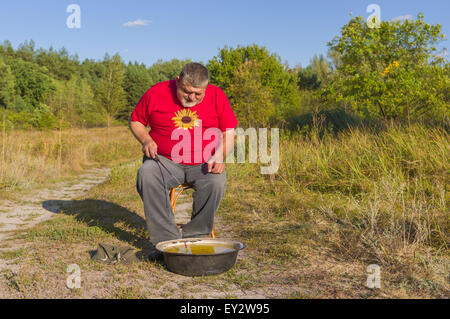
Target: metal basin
(200, 256)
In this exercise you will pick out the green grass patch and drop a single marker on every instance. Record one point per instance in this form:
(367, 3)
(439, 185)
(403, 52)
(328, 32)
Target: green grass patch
(12, 254)
(66, 229)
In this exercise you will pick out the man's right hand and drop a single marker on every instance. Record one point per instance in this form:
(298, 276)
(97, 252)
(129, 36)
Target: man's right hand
(150, 149)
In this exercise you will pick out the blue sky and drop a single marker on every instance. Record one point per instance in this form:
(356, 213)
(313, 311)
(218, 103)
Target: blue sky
(295, 30)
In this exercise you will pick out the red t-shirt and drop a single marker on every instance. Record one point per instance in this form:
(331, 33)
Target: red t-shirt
(185, 135)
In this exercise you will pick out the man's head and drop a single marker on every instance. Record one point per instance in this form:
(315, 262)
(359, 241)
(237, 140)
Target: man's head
(192, 84)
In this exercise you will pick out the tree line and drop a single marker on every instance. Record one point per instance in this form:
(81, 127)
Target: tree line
(40, 87)
(388, 73)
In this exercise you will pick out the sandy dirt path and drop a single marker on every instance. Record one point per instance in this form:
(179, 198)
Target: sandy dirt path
(34, 209)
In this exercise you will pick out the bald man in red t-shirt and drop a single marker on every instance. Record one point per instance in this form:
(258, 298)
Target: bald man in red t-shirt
(191, 132)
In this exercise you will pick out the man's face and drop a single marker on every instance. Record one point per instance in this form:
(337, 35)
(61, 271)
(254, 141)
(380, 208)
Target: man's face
(189, 95)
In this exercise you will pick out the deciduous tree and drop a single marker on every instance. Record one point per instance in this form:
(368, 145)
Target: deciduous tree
(110, 94)
(250, 99)
(390, 71)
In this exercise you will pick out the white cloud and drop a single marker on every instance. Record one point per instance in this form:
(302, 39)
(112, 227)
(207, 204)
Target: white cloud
(403, 18)
(137, 23)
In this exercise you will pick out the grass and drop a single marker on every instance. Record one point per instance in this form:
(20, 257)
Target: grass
(360, 197)
(31, 159)
(394, 184)
(70, 231)
(338, 204)
(12, 254)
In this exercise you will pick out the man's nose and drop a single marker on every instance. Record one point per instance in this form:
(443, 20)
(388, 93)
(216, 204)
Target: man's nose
(192, 97)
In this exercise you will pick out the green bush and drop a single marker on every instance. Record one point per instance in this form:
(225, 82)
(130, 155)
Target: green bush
(43, 118)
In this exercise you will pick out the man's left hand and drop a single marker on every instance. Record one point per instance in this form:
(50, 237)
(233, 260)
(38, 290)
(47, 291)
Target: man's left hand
(215, 166)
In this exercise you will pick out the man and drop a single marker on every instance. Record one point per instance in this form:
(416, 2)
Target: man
(191, 132)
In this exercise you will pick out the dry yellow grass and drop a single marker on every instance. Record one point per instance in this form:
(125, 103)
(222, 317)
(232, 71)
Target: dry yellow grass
(338, 204)
(359, 198)
(34, 158)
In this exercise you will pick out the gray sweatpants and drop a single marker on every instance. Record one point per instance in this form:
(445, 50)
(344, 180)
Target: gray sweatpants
(153, 185)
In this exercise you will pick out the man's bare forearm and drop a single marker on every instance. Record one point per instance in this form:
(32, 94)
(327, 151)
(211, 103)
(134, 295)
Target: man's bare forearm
(140, 132)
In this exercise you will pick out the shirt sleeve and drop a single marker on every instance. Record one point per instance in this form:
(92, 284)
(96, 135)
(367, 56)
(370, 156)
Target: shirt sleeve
(227, 118)
(142, 110)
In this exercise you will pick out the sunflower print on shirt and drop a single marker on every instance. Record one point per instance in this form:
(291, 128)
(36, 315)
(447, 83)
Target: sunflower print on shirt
(186, 119)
